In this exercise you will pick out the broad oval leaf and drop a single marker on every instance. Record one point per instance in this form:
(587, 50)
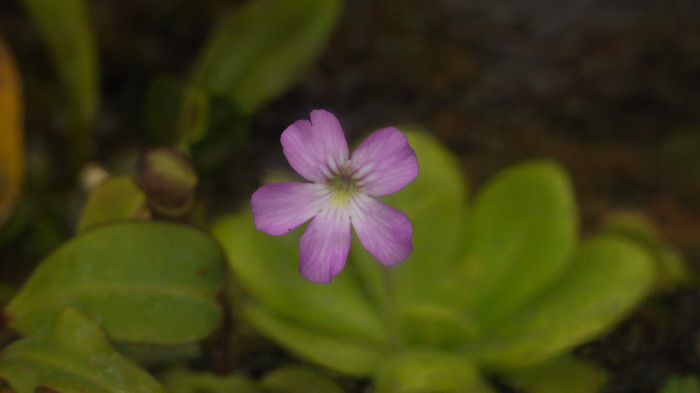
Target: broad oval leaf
(71, 42)
(607, 277)
(267, 266)
(144, 282)
(520, 234)
(11, 134)
(257, 52)
(72, 355)
(344, 354)
(418, 371)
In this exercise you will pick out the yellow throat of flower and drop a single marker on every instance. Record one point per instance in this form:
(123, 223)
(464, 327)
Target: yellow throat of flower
(343, 187)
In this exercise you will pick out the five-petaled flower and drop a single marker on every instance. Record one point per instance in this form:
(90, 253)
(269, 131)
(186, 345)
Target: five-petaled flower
(339, 195)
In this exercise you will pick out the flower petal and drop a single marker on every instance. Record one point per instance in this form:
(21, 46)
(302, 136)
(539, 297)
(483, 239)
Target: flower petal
(278, 208)
(384, 162)
(324, 246)
(315, 148)
(384, 231)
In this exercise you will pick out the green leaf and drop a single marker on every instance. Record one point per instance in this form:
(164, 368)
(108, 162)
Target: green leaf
(671, 269)
(267, 266)
(416, 293)
(297, 379)
(341, 353)
(185, 381)
(560, 375)
(11, 133)
(116, 199)
(175, 114)
(520, 235)
(420, 371)
(151, 354)
(71, 43)
(72, 355)
(144, 282)
(437, 218)
(607, 277)
(259, 50)
(681, 385)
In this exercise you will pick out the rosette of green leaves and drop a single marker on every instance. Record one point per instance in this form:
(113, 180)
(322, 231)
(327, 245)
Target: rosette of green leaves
(501, 285)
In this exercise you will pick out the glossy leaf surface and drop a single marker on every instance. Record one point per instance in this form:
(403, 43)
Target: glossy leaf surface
(72, 355)
(605, 280)
(144, 282)
(520, 235)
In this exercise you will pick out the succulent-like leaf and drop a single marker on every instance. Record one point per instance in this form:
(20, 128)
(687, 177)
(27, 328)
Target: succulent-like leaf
(607, 277)
(418, 371)
(144, 282)
(72, 355)
(297, 379)
(434, 202)
(268, 269)
(561, 375)
(185, 381)
(521, 232)
(11, 133)
(345, 354)
(257, 52)
(116, 199)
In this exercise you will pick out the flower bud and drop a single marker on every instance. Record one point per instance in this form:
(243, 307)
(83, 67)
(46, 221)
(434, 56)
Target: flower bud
(167, 178)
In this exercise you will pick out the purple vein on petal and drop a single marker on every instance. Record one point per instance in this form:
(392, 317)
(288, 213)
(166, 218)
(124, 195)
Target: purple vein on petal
(325, 245)
(384, 231)
(384, 162)
(315, 148)
(280, 207)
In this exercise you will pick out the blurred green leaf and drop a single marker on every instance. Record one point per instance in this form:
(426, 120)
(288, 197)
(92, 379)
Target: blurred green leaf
(671, 269)
(608, 276)
(420, 371)
(150, 354)
(116, 199)
(437, 217)
(560, 375)
(267, 266)
(175, 114)
(144, 282)
(71, 42)
(299, 380)
(258, 51)
(345, 354)
(681, 385)
(184, 381)
(520, 235)
(11, 133)
(71, 355)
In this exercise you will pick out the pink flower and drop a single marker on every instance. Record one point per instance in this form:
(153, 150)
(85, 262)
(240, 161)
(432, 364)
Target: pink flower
(339, 195)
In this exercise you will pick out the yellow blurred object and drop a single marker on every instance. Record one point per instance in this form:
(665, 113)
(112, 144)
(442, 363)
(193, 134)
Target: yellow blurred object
(11, 143)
